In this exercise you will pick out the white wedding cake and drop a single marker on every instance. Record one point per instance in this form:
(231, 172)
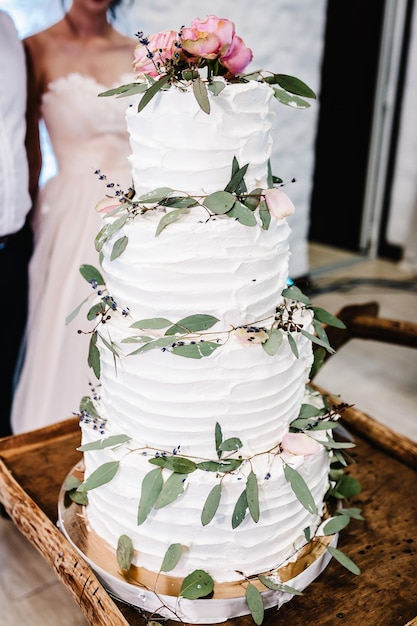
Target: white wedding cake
(192, 465)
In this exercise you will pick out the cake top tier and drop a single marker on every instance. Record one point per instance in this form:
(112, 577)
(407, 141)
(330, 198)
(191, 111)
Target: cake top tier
(197, 55)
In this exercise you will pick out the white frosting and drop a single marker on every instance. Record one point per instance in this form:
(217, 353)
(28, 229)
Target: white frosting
(175, 144)
(160, 400)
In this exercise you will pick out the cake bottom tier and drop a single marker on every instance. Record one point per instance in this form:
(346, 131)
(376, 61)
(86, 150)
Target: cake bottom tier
(222, 547)
(159, 594)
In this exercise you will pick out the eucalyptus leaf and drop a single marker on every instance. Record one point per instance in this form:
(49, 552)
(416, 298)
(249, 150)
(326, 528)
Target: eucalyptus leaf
(173, 487)
(219, 202)
(275, 586)
(300, 488)
(239, 512)
(292, 85)
(242, 214)
(236, 183)
(137, 339)
(270, 176)
(290, 100)
(116, 225)
(75, 312)
(196, 350)
(134, 89)
(124, 552)
(88, 406)
(344, 560)
(78, 497)
(294, 293)
(175, 463)
(335, 524)
(109, 346)
(155, 323)
(198, 584)
(101, 476)
(309, 410)
(101, 444)
(337, 445)
(162, 342)
(94, 356)
(200, 93)
(169, 218)
(95, 311)
(317, 341)
(231, 444)
(224, 466)
(152, 91)
(152, 484)
(293, 345)
(211, 504)
(274, 341)
(171, 558)
(252, 496)
(352, 512)
(319, 358)
(218, 437)
(155, 196)
(264, 215)
(119, 247)
(193, 323)
(180, 202)
(252, 200)
(215, 87)
(320, 332)
(121, 89)
(325, 317)
(347, 487)
(90, 273)
(255, 603)
(71, 482)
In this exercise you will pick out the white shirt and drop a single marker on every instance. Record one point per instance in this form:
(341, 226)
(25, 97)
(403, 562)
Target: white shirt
(14, 195)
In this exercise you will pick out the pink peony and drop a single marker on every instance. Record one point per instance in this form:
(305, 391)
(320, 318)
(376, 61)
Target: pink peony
(238, 57)
(299, 444)
(214, 38)
(161, 46)
(278, 203)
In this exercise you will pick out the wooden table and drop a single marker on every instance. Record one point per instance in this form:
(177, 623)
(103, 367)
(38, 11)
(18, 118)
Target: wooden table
(33, 467)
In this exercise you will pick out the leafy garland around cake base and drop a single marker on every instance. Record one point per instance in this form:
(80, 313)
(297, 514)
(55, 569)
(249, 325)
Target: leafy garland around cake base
(157, 493)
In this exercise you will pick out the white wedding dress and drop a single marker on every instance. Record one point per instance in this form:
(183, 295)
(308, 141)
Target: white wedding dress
(87, 133)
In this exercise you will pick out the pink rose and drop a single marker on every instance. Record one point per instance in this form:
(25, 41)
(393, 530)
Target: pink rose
(278, 203)
(299, 444)
(161, 46)
(238, 56)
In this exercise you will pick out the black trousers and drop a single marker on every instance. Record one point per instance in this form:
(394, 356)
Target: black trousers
(15, 253)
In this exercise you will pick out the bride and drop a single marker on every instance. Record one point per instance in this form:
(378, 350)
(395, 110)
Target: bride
(69, 64)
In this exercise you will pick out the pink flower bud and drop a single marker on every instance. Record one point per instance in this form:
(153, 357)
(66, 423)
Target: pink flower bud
(107, 205)
(299, 444)
(278, 203)
(238, 56)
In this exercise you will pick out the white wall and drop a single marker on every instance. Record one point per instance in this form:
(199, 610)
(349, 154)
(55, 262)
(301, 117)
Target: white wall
(286, 36)
(402, 224)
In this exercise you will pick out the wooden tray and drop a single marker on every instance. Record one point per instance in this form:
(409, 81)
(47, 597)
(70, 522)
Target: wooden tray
(34, 465)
